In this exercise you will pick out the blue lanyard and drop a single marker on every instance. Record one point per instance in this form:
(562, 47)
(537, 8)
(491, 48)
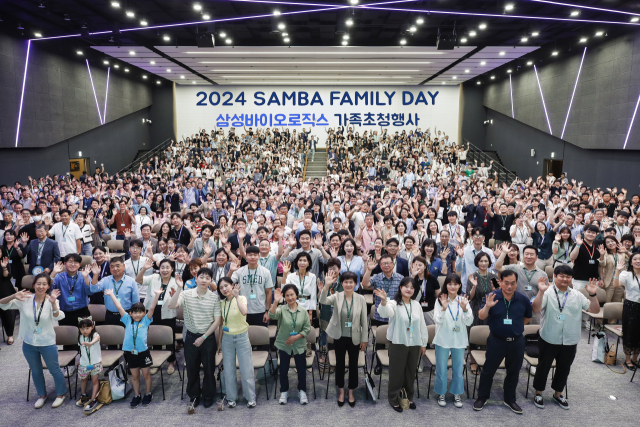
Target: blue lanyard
(455, 319)
(566, 295)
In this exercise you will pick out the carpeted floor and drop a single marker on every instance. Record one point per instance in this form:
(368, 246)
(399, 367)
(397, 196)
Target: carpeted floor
(590, 388)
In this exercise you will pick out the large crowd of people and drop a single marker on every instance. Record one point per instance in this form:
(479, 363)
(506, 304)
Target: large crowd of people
(223, 225)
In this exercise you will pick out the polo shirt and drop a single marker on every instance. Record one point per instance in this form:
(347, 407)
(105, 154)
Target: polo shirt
(199, 312)
(125, 290)
(80, 295)
(526, 279)
(519, 309)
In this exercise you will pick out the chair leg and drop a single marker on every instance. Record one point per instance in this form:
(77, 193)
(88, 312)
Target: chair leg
(429, 386)
(161, 382)
(379, 383)
(615, 361)
(266, 383)
(326, 394)
(589, 334)
(526, 394)
(75, 393)
(475, 380)
(313, 377)
(29, 383)
(69, 383)
(364, 371)
(182, 388)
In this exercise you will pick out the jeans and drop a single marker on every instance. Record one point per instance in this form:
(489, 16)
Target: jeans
(86, 249)
(301, 366)
(323, 338)
(457, 364)
(194, 356)
(50, 355)
(238, 346)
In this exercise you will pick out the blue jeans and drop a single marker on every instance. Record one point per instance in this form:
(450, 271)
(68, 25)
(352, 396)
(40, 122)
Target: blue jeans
(322, 339)
(457, 365)
(232, 346)
(86, 249)
(50, 355)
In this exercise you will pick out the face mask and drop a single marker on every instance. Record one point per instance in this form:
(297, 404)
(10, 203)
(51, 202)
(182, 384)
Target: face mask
(37, 218)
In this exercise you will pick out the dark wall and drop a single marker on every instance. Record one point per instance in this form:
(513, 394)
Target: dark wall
(161, 114)
(604, 101)
(513, 140)
(59, 102)
(472, 114)
(115, 144)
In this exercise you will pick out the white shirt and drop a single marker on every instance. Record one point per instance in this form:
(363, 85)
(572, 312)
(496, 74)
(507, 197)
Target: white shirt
(153, 282)
(445, 335)
(307, 297)
(66, 236)
(554, 329)
(47, 335)
(93, 355)
(131, 269)
(631, 286)
(399, 323)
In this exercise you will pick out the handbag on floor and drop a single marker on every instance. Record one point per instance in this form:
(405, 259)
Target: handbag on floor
(600, 345)
(531, 344)
(117, 381)
(104, 393)
(404, 400)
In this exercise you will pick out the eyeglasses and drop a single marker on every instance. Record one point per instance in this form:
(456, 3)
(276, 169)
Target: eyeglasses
(386, 263)
(479, 236)
(564, 277)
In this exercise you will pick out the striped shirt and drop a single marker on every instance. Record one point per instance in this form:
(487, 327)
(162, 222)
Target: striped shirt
(199, 312)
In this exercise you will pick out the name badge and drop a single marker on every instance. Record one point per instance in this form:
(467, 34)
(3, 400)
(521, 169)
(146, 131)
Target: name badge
(37, 330)
(592, 261)
(64, 240)
(503, 229)
(560, 316)
(528, 288)
(160, 302)
(122, 225)
(10, 261)
(71, 298)
(508, 321)
(424, 304)
(292, 333)
(347, 324)
(225, 329)
(253, 296)
(410, 329)
(388, 299)
(302, 300)
(90, 367)
(134, 352)
(456, 328)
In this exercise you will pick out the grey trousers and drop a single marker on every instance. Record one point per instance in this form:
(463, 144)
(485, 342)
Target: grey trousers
(403, 363)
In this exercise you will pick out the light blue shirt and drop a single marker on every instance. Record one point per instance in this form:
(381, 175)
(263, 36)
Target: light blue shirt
(355, 266)
(126, 290)
(141, 329)
(81, 292)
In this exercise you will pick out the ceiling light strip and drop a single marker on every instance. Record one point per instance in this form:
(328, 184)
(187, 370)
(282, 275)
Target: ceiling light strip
(106, 95)
(511, 93)
(94, 91)
(542, 96)
(24, 83)
(586, 7)
(631, 124)
(573, 93)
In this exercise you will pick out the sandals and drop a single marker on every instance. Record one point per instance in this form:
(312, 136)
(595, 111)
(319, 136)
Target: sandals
(630, 366)
(475, 370)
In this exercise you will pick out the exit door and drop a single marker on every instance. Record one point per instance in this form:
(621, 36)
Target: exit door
(552, 166)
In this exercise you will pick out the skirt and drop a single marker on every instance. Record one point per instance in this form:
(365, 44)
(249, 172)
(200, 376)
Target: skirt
(631, 327)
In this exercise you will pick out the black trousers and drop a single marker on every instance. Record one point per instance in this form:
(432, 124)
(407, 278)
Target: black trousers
(8, 320)
(403, 365)
(158, 320)
(256, 319)
(513, 354)
(301, 366)
(194, 357)
(71, 319)
(563, 355)
(343, 346)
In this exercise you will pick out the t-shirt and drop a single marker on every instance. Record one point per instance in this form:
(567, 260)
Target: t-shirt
(502, 227)
(131, 269)
(586, 264)
(139, 329)
(254, 285)
(271, 264)
(66, 236)
(427, 294)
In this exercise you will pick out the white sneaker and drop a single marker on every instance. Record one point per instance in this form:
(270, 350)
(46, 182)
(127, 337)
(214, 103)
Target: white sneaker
(532, 370)
(231, 404)
(303, 397)
(59, 401)
(441, 401)
(457, 402)
(420, 368)
(284, 396)
(40, 402)
(71, 371)
(251, 404)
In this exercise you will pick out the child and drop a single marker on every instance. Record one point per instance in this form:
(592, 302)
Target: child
(90, 363)
(136, 353)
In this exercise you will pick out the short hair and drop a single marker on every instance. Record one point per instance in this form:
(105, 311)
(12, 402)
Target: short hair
(302, 255)
(333, 262)
(77, 258)
(253, 250)
(385, 256)
(592, 228)
(289, 287)
(349, 275)
(175, 215)
(145, 226)
(451, 277)
(393, 240)
(116, 259)
(530, 247)
(137, 308)
(182, 247)
(507, 273)
(205, 271)
(208, 227)
(563, 269)
(452, 213)
(304, 233)
(479, 256)
(409, 238)
(221, 250)
(138, 243)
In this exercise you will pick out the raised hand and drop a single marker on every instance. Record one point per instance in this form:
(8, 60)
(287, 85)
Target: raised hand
(592, 287)
(491, 300)
(4, 262)
(543, 283)
(317, 240)
(464, 302)
(372, 264)
(460, 250)
(25, 238)
(601, 249)
(473, 280)
(54, 296)
(286, 267)
(444, 301)
(179, 281)
(578, 240)
(148, 264)
(148, 252)
(330, 278)
(277, 295)
(22, 295)
(444, 253)
(58, 268)
(292, 240)
(85, 272)
(380, 293)
(108, 292)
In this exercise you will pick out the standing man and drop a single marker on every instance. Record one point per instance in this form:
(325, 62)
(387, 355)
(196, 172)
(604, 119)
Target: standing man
(256, 286)
(42, 253)
(561, 318)
(508, 311)
(67, 234)
(387, 280)
(179, 231)
(585, 258)
(124, 288)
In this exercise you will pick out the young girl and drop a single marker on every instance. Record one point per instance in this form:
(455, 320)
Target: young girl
(90, 363)
(136, 353)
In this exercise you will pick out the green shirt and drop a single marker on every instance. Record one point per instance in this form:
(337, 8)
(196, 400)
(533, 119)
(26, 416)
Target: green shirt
(285, 318)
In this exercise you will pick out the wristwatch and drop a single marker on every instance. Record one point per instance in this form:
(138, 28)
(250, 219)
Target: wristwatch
(592, 295)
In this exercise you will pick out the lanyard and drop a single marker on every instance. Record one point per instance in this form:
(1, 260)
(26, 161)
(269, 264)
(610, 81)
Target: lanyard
(40, 249)
(301, 279)
(37, 319)
(263, 261)
(388, 283)
(566, 295)
(348, 264)
(348, 307)
(484, 282)
(455, 319)
(588, 251)
(527, 276)
(408, 311)
(507, 304)
(164, 290)
(122, 217)
(104, 268)
(228, 307)
(135, 270)
(87, 349)
(504, 220)
(9, 252)
(75, 280)
(293, 318)
(252, 279)
(121, 281)
(219, 273)
(134, 330)
(64, 230)
(180, 233)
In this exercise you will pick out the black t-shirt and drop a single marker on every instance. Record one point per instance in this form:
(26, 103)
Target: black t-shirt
(501, 226)
(181, 234)
(585, 266)
(428, 298)
(610, 208)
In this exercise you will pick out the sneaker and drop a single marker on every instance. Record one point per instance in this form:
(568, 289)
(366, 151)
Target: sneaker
(532, 370)
(441, 401)
(514, 407)
(135, 401)
(82, 402)
(538, 401)
(284, 396)
(231, 404)
(560, 400)
(146, 399)
(68, 373)
(303, 397)
(91, 406)
(251, 404)
(479, 404)
(457, 402)
(420, 368)
(59, 401)
(154, 371)
(40, 402)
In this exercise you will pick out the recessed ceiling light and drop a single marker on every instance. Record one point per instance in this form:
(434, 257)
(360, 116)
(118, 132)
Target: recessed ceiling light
(575, 13)
(635, 19)
(206, 16)
(281, 26)
(130, 14)
(38, 34)
(444, 83)
(285, 34)
(509, 71)
(419, 21)
(412, 29)
(524, 39)
(454, 77)
(197, 7)
(482, 26)
(143, 22)
(466, 71)
(223, 34)
(116, 66)
(502, 53)
(599, 33)
(158, 81)
(126, 70)
(105, 62)
(152, 62)
(182, 77)
(554, 53)
(144, 76)
(194, 82)
(463, 40)
(493, 77)
(166, 38)
(345, 37)
(353, 1)
(344, 42)
(276, 13)
(115, 4)
(286, 39)
(583, 40)
(535, 34)
(132, 52)
(508, 7)
(472, 33)
(478, 83)
(529, 62)
(483, 63)
(228, 41)
(349, 22)
(168, 70)
(403, 41)
(79, 52)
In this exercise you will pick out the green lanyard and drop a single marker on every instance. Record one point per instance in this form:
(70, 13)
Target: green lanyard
(228, 306)
(87, 350)
(263, 261)
(529, 277)
(164, 290)
(347, 264)
(136, 270)
(504, 220)
(507, 304)
(64, 231)
(408, 313)
(118, 288)
(252, 279)
(293, 319)
(484, 282)
(350, 307)
(134, 331)
(302, 279)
